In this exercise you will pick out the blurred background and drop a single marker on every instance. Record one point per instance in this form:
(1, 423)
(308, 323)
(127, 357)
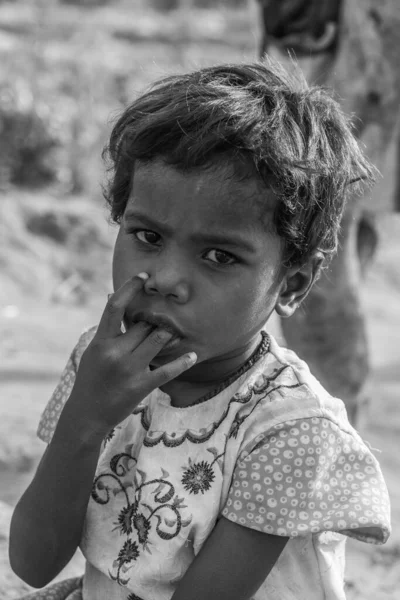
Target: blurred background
(67, 68)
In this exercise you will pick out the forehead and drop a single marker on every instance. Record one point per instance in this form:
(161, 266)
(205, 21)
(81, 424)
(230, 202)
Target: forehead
(213, 198)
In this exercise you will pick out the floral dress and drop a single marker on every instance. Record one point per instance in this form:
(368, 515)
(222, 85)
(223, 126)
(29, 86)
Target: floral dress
(270, 450)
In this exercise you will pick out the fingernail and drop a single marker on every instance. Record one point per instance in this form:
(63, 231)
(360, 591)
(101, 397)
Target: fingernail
(192, 357)
(165, 334)
(143, 276)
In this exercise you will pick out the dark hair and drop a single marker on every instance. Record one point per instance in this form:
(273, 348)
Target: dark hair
(295, 137)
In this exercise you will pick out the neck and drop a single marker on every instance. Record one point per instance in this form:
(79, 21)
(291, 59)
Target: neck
(208, 375)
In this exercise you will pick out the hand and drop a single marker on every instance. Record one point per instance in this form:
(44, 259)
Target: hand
(114, 374)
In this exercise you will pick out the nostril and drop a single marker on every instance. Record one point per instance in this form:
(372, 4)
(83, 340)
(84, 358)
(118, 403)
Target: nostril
(374, 98)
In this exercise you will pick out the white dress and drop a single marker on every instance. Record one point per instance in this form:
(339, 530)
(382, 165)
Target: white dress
(272, 451)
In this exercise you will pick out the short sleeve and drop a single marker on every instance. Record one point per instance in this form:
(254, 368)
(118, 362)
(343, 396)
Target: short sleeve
(51, 413)
(308, 476)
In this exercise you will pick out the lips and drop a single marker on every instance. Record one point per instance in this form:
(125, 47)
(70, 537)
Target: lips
(161, 321)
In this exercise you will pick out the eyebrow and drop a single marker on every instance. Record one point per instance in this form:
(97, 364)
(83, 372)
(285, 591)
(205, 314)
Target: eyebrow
(235, 241)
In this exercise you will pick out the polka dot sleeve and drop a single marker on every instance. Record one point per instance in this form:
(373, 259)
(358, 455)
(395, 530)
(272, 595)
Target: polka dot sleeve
(52, 412)
(308, 476)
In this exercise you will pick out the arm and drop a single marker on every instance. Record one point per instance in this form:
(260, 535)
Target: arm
(47, 522)
(113, 377)
(232, 564)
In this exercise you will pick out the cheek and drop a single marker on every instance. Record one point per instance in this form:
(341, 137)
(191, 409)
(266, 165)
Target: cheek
(241, 303)
(256, 300)
(122, 262)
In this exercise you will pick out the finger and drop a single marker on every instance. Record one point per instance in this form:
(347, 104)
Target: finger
(171, 370)
(151, 346)
(110, 322)
(135, 335)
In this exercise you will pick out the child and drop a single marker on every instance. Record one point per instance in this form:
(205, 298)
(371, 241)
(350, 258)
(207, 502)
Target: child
(189, 456)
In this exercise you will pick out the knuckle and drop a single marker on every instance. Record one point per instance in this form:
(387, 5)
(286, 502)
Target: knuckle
(186, 363)
(113, 306)
(111, 354)
(165, 374)
(104, 352)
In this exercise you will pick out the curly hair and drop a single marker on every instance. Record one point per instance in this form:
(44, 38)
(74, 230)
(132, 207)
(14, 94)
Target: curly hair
(293, 136)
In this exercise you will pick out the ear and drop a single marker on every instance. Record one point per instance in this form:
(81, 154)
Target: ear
(296, 283)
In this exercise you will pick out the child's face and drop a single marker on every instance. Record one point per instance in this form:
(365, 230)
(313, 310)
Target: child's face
(218, 292)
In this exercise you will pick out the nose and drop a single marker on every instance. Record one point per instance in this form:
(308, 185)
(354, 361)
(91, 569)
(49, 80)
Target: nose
(168, 277)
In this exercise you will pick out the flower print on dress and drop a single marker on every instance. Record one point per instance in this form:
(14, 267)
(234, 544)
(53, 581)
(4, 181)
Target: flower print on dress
(166, 508)
(128, 553)
(109, 436)
(110, 482)
(130, 520)
(161, 513)
(125, 519)
(264, 387)
(175, 439)
(142, 526)
(199, 476)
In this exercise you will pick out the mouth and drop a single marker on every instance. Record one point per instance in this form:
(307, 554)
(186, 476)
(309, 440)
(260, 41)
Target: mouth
(161, 321)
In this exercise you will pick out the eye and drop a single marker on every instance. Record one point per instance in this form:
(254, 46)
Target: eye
(222, 258)
(146, 236)
(149, 238)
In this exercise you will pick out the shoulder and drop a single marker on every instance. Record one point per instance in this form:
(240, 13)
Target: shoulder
(297, 372)
(307, 476)
(281, 389)
(49, 418)
(83, 342)
(283, 368)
